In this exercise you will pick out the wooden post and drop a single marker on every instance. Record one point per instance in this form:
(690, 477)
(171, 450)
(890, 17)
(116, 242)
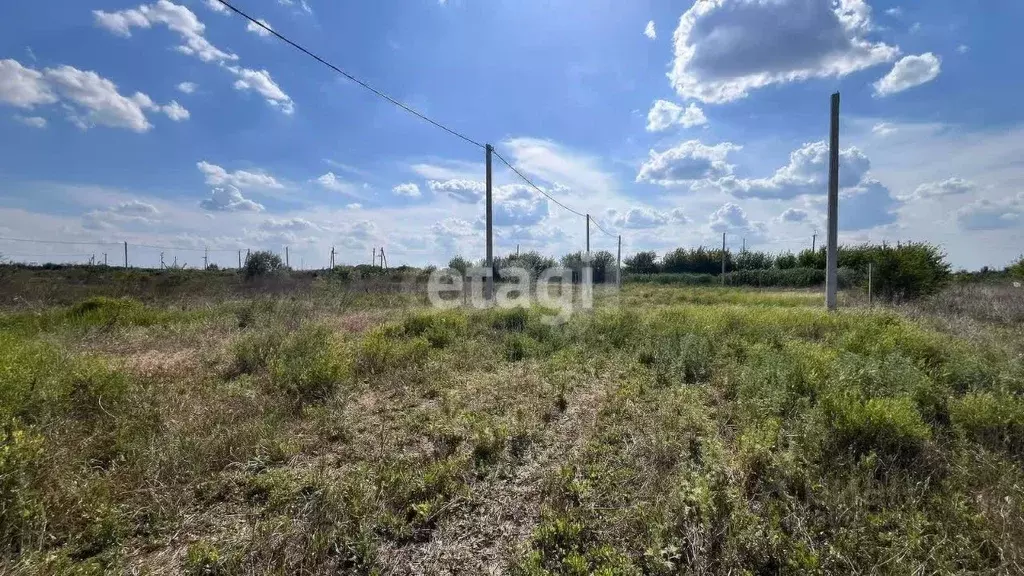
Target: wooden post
(618, 266)
(723, 258)
(490, 224)
(831, 259)
(125, 253)
(870, 302)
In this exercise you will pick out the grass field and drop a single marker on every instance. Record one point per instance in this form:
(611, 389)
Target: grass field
(671, 430)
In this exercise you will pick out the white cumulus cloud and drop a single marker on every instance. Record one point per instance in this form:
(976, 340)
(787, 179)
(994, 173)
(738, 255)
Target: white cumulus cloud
(409, 189)
(33, 121)
(686, 163)
(468, 191)
(187, 87)
(257, 29)
(229, 199)
(948, 187)
(642, 218)
(261, 82)
(218, 176)
(650, 32)
(806, 173)
(910, 71)
(88, 98)
(726, 48)
(177, 18)
(664, 114)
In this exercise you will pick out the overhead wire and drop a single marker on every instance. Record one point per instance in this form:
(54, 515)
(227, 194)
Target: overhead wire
(347, 75)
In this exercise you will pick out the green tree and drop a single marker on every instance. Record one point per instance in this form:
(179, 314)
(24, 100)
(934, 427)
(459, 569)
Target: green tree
(642, 263)
(1016, 269)
(263, 263)
(460, 264)
(785, 261)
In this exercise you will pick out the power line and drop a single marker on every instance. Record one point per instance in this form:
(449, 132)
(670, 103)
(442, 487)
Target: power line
(535, 187)
(349, 76)
(600, 228)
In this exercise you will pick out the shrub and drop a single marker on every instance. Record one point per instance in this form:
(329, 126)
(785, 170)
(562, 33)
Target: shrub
(459, 263)
(262, 263)
(1017, 268)
(110, 312)
(785, 261)
(642, 263)
(384, 350)
(308, 365)
(254, 352)
(890, 427)
(440, 329)
(995, 421)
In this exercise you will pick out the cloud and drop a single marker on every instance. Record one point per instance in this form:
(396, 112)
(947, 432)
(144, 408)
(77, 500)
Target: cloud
(257, 29)
(331, 181)
(181, 20)
(641, 218)
(894, 11)
(557, 164)
(135, 208)
(23, 87)
(302, 4)
(664, 114)
(288, 225)
(866, 206)
(686, 163)
(883, 129)
(411, 190)
(948, 187)
(217, 7)
(217, 176)
(177, 18)
(33, 121)
(188, 87)
(229, 199)
(261, 82)
(518, 205)
(453, 228)
(963, 49)
(986, 214)
(794, 215)
(806, 173)
(354, 206)
(650, 32)
(726, 48)
(175, 111)
(88, 98)
(910, 71)
(732, 219)
(468, 191)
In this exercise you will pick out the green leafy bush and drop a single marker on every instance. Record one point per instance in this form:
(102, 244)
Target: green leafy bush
(642, 263)
(308, 365)
(890, 427)
(995, 421)
(262, 263)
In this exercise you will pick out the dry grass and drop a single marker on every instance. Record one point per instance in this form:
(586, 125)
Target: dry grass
(673, 430)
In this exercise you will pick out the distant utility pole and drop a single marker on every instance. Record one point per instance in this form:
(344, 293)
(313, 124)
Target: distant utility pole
(125, 253)
(618, 266)
(744, 249)
(206, 258)
(239, 259)
(588, 233)
(490, 225)
(723, 258)
(332, 257)
(104, 258)
(383, 259)
(162, 261)
(286, 264)
(814, 240)
(831, 259)
(373, 262)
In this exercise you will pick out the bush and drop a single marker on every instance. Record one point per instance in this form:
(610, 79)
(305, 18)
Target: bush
(262, 263)
(994, 421)
(1017, 268)
(308, 365)
(642, 263)
(785, 261)
(459, 263)
(889, 427)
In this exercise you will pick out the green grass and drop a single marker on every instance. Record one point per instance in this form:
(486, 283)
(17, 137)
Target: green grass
(672, 430)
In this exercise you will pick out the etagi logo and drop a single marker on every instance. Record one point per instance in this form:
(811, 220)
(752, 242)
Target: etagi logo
(553, 289)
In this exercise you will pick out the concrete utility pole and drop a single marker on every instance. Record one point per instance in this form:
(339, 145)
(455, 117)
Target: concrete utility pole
(870, 303)
(723, 258)
(744, 249)
(332, 257)
(162, 261)
(814, 241)
(239, 259)
(104, 258)
(588, 233)
(618, 266)
(206, 258)
(286, 262)
(831, 260)
(373, 261)
(125, 253)
(490, 223)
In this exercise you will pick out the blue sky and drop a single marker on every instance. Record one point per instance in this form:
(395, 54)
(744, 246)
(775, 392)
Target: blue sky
(173, 124)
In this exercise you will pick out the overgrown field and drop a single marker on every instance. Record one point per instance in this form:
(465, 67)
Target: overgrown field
(670, 431)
